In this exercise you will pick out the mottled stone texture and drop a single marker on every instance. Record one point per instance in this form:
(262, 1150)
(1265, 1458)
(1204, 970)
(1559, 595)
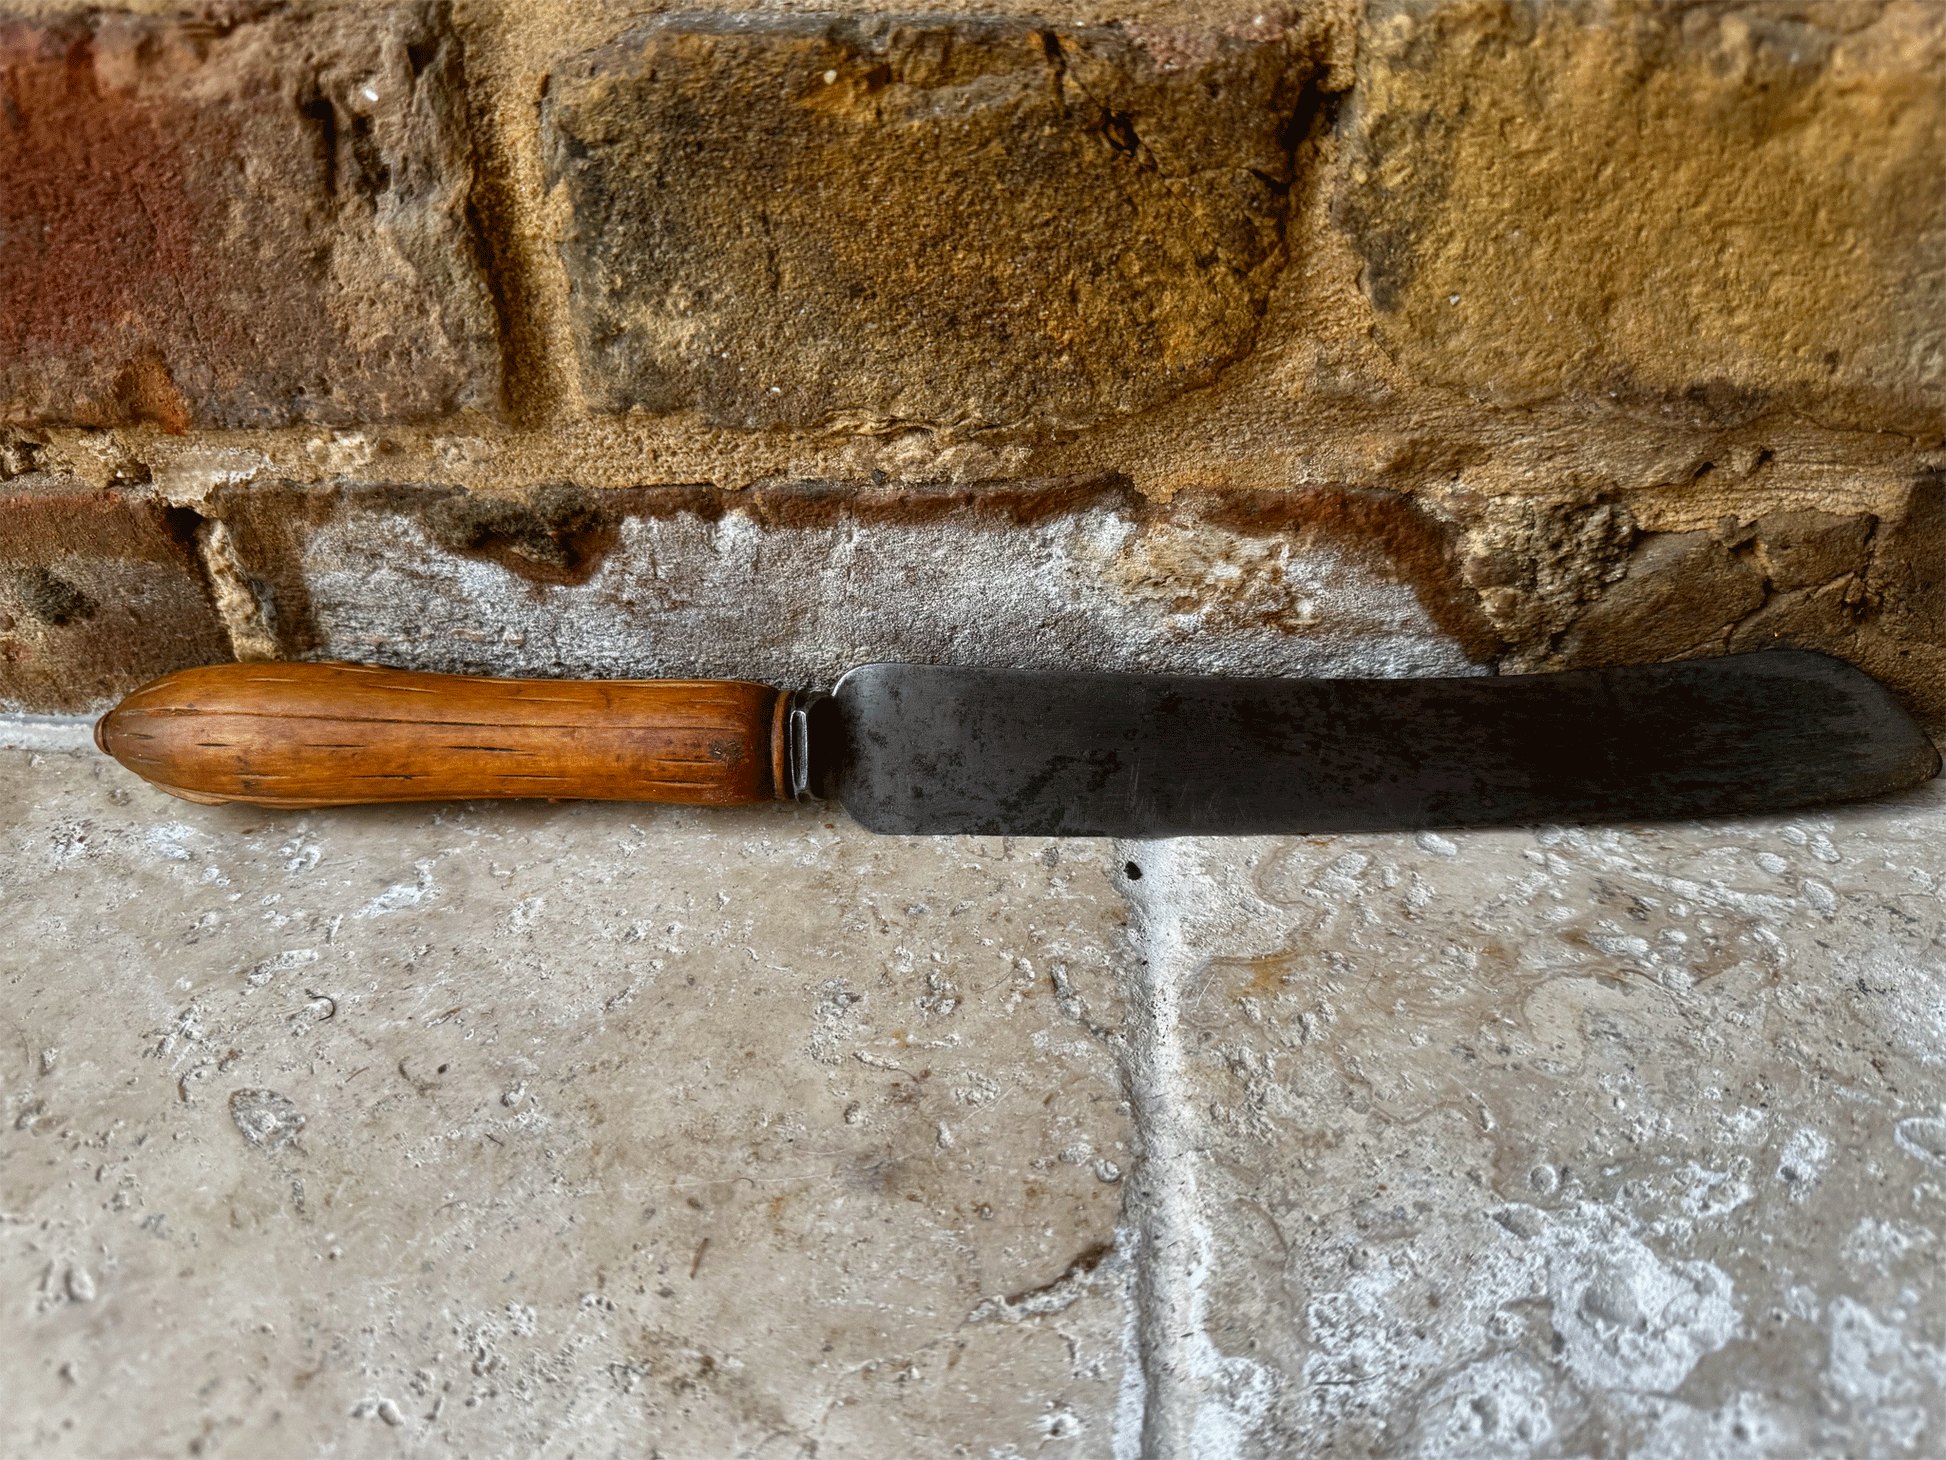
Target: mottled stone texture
(1869, 591)
(1689, 212)
(250, 218)
(960, 223)
(1889, 617)
(557, 337)
(794, 583)
(1597, 332)
(98, 592)
(542, 1130)
(1553, 1143)
(1563, 586)
(495, 1129)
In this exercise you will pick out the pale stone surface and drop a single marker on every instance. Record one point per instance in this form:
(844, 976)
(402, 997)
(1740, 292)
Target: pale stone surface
(594, 1129)
(794, 584)
(1556, 1142)
(550, 1129)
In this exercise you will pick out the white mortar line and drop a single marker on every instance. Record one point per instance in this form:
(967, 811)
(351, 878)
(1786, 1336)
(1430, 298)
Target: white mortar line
(47, 732)
(1201, 1404)
(1171, 1242)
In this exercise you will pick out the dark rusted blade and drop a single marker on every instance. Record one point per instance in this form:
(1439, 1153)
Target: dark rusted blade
(924, 750)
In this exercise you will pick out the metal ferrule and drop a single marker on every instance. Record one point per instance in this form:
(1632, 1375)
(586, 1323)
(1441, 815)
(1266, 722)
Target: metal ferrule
(806, 771)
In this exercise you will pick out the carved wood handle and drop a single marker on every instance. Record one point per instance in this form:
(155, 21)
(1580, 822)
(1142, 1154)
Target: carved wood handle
(278, 734)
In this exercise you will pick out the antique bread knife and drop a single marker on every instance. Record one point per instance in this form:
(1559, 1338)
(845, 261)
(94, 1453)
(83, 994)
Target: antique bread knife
(907, 748)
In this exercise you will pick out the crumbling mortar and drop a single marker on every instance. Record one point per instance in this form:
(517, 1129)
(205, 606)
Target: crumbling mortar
(1534, 567)
(236, 596)
(20, 453)
(1929, 442)
(1178, 446)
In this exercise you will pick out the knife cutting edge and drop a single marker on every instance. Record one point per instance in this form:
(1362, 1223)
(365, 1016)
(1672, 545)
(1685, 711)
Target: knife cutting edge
(915, 749)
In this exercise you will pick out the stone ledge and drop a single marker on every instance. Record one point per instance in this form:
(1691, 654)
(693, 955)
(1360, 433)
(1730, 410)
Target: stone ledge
(794, 582)
(486, 1126)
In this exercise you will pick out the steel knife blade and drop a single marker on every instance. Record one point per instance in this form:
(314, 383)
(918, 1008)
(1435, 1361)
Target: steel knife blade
(930, 750)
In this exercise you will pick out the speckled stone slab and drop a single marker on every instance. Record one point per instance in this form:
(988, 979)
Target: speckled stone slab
(1555, 1142)
(558, 1128)
(550, 1129)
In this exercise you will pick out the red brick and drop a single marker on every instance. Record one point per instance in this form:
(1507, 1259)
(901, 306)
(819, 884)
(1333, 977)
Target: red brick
(247, 220)
(99, 592)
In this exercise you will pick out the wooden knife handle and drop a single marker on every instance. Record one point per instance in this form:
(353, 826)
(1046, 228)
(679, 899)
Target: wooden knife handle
(278, 734)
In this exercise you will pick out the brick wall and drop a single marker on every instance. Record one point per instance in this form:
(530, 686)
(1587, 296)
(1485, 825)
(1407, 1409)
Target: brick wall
(558, 338)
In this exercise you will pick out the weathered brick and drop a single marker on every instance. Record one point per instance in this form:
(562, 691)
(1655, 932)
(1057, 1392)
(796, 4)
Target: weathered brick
(954, 222)
(1682, 593)
(1806, 548)
(250, 218)
(1884, 606)
(99, 592)
(1690, 212)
